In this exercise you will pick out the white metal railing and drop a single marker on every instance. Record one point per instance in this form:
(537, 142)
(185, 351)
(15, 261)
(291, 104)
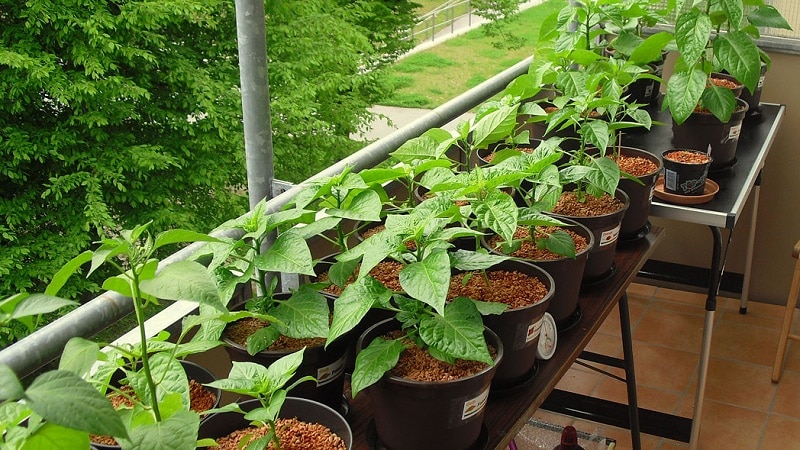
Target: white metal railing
(441, 20)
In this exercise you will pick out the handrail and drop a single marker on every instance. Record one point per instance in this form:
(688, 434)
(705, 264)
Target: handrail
(45, 344)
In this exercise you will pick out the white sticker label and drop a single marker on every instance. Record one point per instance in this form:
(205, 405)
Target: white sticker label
(733, 134)
(475, 405)
(533, 330)
(761, 81)
(330, 372)
(648, 91)
(608, 237)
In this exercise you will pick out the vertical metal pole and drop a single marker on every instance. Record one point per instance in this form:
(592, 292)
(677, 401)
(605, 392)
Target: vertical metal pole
(751, 240)
(252, 39)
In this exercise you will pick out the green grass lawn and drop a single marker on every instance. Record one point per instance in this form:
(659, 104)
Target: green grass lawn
(429, 78)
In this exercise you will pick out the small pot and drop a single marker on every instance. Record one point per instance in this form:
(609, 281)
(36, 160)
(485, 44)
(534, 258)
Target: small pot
(222, 424)
(685, 178)
(641, 195)
(418, 415)
(754, 99)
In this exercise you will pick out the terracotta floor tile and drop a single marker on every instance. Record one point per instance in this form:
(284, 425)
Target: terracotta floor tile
(664, 368)
(787, 397)
(648, 397)
(672, 445)
(739, 383)
(621, 435)
(579, 381)
(694, 298)
(611, 324)
(745, 342)
(730, 427)
(641, 290)
(782, 433)
(671, 307)
(679, 331)
(606, 344)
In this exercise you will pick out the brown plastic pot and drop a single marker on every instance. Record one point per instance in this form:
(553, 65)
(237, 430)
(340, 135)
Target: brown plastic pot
(702, 130)
(634, 222)
(684, 178)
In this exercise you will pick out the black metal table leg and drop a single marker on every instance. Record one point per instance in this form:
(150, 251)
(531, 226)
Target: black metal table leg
(630, 377)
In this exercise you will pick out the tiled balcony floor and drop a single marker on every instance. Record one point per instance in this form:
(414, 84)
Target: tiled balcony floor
(743, 409)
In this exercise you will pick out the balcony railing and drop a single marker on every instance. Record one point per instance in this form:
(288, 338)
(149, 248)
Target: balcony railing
(44, 345)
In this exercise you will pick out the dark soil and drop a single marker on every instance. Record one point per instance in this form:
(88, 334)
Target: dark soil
(687, 157)
(569, 205)
(515, 289)
(528, 248)
(386, 272)
(417, 364)
(293, 435)
(240, 330)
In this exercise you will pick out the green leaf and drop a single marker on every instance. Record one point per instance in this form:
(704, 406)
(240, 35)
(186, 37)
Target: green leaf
(305, 314)
(354, 303)
(281, 371)
(486, 308)
(184, 280)
(560, 242)
(606, 177)
(178, 431)
(50, 436)
(66, 271)
(650, 49)
(341, 271)
(65, 399)
(494, 126)
(317, 227)
(177, 236)
(79, 356)
(692, 33)
(35, 304)
(458, 333)
(470, 260)
(170, 378)
(720, 101)
(428, 280)
(261, 339)
(738, 54)
(498, 212)
(420, 148)
(366, 206)
(373, 362)
(289, 254)
(734, 11)
(597, 133)
(684, 90)
(767, 16)
(10, 387)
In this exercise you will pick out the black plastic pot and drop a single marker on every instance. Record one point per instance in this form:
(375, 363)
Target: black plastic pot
(634, 222)
(416, 415)
(754, 99)
(567, 274)
(519, 328)
(327, 365)
(702, 130)
(684, 178)
(193, 371)
(605, 229)
(221, 424)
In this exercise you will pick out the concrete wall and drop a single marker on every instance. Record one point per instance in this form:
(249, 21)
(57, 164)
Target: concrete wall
(778, 226)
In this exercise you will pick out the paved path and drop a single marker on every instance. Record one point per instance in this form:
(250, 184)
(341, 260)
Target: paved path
(391, 118)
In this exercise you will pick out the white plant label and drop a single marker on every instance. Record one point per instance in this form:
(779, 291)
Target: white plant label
(534, 329)
(733, 135)
(608, 237)
(475, 405)
(330, 372)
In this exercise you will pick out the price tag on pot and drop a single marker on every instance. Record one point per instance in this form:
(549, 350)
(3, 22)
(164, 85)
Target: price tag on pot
(608, 237)
(733, 134)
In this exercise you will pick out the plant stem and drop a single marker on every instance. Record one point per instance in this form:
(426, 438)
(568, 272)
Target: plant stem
(148, 376)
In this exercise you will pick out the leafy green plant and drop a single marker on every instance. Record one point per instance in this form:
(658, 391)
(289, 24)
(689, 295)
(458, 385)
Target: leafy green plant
(268, 385)
(302, 314)
(21, 313)
(716, 36)
(160, 398)
(447, 330)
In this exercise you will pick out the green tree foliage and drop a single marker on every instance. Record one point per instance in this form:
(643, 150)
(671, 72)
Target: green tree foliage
(324, 63)
(112, 114)
(118, 112)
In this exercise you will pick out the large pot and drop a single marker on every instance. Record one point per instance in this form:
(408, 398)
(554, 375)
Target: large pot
(519, 328)
(221, 424)
(417, 415)
(605, 229)
(702, 130)
(326, 365)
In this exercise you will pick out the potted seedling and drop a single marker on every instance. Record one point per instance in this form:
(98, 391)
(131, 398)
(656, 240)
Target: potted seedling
(714, 37)
(270, 416)
(267, 325)
(159, 400)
